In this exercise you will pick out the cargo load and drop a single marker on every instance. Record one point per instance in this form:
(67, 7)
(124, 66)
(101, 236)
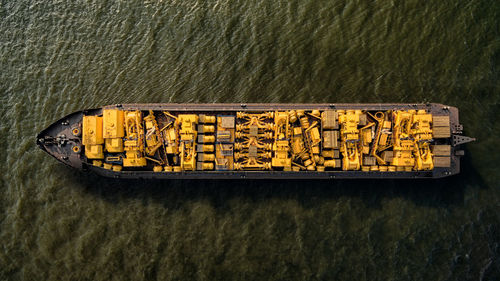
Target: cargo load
(260, 140)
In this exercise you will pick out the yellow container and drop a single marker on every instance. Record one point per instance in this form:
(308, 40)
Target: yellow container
(94, 151)
(209, 138)
(92, 130)
(113, 123)
(208, 157)
(208, 166)
(330, 163)
(207, 128)
(327, 153)
(114, 145)
(208, 148)
(208, 119)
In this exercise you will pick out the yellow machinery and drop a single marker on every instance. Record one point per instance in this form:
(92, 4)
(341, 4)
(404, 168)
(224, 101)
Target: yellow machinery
(152, 134)
(170, 135)
(306, 140)
(188, 134)
(366, 136)
(299, 150)
(134, 140)
(281, 145)
(268, 140)
(92, 137)
(403, 145)
(113, 130)
(422, 133)
(206, 142)
(253, 151)
(224, 152)
(381, 139)
(349, 139)
(412, 134)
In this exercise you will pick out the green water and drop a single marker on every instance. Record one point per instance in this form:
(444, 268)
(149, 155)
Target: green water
(57, 57)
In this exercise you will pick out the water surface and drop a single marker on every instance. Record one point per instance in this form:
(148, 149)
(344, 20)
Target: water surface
(57, 57)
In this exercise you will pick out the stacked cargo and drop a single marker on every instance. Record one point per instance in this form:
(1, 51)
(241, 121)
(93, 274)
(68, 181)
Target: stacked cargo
(206, 143)
(225, 143)
(330, 126)
(286, 140)
(318, 140)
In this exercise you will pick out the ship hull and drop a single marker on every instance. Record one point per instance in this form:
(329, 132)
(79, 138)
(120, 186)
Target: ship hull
(58, 141)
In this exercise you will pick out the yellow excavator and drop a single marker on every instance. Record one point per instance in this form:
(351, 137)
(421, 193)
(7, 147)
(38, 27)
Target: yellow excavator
(349, 139)
(422, 133)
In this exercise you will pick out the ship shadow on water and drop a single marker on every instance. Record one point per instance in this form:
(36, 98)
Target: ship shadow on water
(174, 194)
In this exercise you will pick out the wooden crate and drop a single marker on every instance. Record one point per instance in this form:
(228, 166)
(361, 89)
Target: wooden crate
(362, 119)
(441, 121)
(441, 132)
(440, 161)
(336, 153)
(329, 119)
(387, 156)
(369, 161)
(330, 139)
(441, 150)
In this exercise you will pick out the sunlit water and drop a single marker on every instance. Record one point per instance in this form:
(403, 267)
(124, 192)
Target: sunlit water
(57, 57)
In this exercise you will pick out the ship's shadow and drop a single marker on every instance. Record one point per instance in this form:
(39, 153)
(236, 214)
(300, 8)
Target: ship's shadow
(308, 193)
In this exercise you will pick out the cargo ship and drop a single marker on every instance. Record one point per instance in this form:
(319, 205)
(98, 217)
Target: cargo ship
(280, 141)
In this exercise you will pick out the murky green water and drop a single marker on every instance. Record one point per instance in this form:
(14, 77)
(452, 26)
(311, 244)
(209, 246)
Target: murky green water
(57, 57)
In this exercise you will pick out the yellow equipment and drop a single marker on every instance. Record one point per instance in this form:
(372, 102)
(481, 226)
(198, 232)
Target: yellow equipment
(188, 134)
(381, 136)
(403, 145)
(253, 149)
(306, 139)
(349, 139)
(152, 134)
(187, 124)
(288, 140)
(281, 145)
(113, 130)
(422, 133)
(366, 137)
(92, 137)
(134, 140)
(170, 135)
